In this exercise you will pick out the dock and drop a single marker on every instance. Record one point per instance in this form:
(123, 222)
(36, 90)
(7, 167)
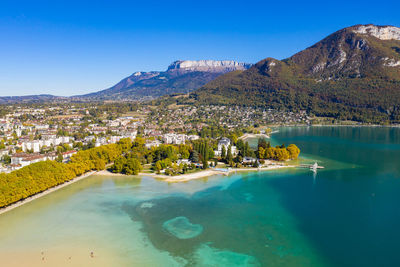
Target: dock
(311, 166)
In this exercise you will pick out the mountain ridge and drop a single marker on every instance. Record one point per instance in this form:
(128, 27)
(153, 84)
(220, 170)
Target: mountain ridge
(181, 76)
(354, 73)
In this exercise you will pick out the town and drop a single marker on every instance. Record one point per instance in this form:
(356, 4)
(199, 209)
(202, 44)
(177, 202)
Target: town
(33, 133)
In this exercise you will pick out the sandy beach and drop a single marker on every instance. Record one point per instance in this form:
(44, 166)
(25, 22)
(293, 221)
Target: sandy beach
(249, 135)
(206, 173)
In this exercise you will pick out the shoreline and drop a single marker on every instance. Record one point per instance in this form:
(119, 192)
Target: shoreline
(207, 173)
(250, 135)
(166, 178)
(334, 125)
(45, 192)
(197, 175)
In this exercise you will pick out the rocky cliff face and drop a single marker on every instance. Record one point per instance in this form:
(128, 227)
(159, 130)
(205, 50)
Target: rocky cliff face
(380, 32)
(208, 65)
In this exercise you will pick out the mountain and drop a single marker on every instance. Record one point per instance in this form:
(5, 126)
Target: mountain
(353, 73)
(180, 77)
(32, 99)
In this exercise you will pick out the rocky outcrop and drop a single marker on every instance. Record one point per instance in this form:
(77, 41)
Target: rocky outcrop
(208, 65)
(380, 32)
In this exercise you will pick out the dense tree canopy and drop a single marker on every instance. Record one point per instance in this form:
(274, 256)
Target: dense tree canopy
(38, 177)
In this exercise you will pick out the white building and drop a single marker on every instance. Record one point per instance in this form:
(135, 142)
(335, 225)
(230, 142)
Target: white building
(193, 137)
(18, 131)
(32, 159)
(176, 139)
(225, 142)
(183, 161)
(3, 152)
(154, 143)
(42, 127)
(67, 155)
(100, 141)
(31, 145)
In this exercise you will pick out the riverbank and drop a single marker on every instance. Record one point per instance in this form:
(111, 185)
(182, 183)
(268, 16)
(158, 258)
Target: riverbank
(41, 194)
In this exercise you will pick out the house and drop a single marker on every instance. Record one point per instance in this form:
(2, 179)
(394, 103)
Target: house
(16, 158)
(172, 138)
(51, 156)
(248, 160)
(225, 142)
(67, 155)
(31, 145)
(3, 152)
(154, 143)
(193, 137)
(100, 141)
(32, 159)
(183, 161)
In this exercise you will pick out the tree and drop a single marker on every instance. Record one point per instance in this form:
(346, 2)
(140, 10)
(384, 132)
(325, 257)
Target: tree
(262, 143)
(59, 157)
(205, 163)
(229, 154)
(2, 146)
(194, 156)
(185, 168)
(223, 153)
(211, 154)
(133, 166)
(119, 164)
(240, 146)
(149, 158)
(270, 153)
(246, 150)
(184, 151)
(125, 144)
(234, 138)
(281, 154)
(99, 164)
(204, 154)
(261, 152)
(293, 150)
(6, 159)
(158, 167)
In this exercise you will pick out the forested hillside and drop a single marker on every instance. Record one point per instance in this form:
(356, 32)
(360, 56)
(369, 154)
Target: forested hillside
(352, 74)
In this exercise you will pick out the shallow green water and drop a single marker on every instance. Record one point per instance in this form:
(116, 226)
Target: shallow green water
(346, 215)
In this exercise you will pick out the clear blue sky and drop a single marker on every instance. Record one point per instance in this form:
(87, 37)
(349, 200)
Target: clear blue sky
(75, 47)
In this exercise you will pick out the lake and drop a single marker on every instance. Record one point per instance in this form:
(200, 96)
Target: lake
(347, 214)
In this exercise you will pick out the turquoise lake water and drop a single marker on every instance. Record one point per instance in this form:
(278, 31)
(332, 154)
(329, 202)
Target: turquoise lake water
(347, 214)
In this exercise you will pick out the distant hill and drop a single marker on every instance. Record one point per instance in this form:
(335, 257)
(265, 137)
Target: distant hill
(353, 73)
(32, 99)
(180, 77)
